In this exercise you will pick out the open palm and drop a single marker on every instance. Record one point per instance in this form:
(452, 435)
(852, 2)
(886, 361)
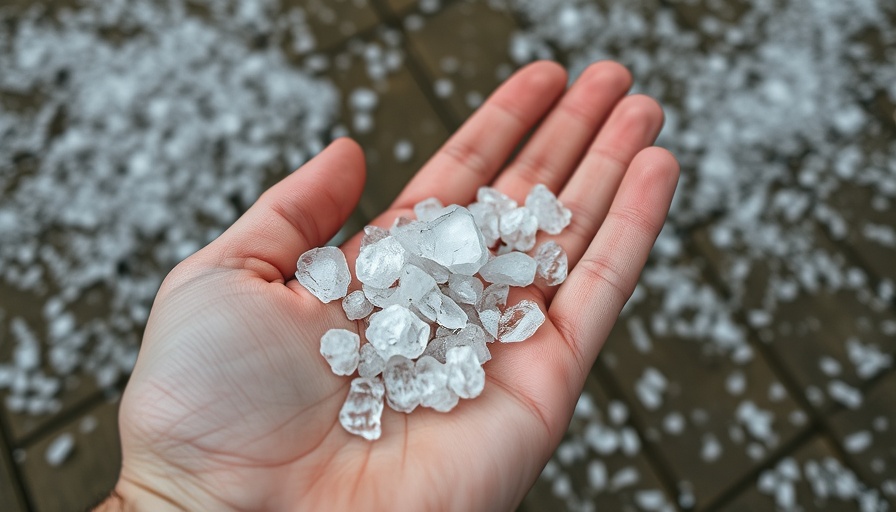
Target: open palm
(231, 405)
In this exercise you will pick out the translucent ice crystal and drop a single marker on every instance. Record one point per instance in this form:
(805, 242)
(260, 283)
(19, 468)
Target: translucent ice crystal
(356, 305)
(428, 209)
(413, 285)
(340, 348)
(379, 264)
(493, 296)
(486, 218)
(489, 318)
(465, 289)
(363, 408)
(451, 240)
(496, 199)
(432, 381)
(551, 214)
(402, 391)
(518, 228)
(552, 263)
(371, 363)
(465, 376)
(470, 336)
(397, 331)
(519, 322)
(324, 272)
(514, 269)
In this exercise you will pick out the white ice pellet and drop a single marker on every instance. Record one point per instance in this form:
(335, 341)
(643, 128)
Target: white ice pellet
(403, 151)
(59, 449)
(857, 442)
(845, 394)
(711, 448)
(597, 475)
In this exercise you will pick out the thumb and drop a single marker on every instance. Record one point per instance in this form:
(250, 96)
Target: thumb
(302, 211)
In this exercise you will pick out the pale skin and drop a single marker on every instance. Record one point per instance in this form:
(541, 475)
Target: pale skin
(232, 407)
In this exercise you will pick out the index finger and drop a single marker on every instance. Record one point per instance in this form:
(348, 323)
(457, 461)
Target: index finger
(473, 155)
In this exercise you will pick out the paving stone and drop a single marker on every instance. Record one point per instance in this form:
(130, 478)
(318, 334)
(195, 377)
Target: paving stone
(868, 436)
(463, 49)
(809, 328)
(89, 472)
(401, 120)
(817, 449)
(564, 485)
(75, 389)
(10, 491)
(692, 421)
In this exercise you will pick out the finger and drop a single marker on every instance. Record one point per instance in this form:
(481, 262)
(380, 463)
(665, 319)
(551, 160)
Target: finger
(634, 125)
(555, 149)
(302, 211)
(474, 154)
(588, 303)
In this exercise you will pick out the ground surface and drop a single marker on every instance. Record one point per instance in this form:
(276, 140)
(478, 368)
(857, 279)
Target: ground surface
(697, 449)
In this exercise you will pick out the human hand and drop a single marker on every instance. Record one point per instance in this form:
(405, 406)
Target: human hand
(231, 405)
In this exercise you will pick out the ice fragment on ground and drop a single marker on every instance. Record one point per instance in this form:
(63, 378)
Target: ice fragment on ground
(618, 412)
(858, 441)
(650, 500)
(625, 477)
(519, 322)
(397, 331)
(629, 442)
(451, 240)
(363, 408)
(867, 359)
(432, 380)
(518, 228)
(370, 363)
(514, 269)
(356, 305)
(830, 366)
(637, 331)
(399, 377)
(650, 388)
(673, 423)
(427, 209)
(465, 376)
(597, 475)
(59, 449)
(340, 348)
(845, 394)
(324, 272)
(602, 439)
(379, 264)
(403, 151)
(363, 99)
(552, 216)
(711, 448)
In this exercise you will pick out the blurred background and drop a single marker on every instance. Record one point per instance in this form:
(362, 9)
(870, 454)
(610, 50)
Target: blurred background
(753, 367)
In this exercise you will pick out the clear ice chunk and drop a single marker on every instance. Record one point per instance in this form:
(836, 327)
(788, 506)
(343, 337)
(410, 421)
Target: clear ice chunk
(493, 296)
(340, 348)
(413, 285)
(449, 314)
(551, 214)
(436, 271)
(324, 272)
(489, 318)
(397, 331)
(514, 269)
(452, 240)
(432, 382)
(372, 235)
(371, 363)
(465, 289)
(363, 408)
(356, 305)
(518, 228)
(519, 322)
(486, 217)
(380, 297)
(552, 263)
(402, 391)
(500, 202)
(465, 375)
(379, 264)
(470, 336)
(428, 209)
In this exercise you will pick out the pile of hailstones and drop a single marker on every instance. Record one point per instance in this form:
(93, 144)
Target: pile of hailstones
(428, 337)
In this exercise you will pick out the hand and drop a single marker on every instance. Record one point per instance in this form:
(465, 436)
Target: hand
(231, 406)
